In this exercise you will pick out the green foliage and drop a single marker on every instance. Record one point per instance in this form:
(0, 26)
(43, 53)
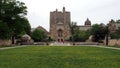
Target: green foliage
(115, 35)
(118, 21)
(50, 39)
(78, 35)
(59, 57)
(39, 35)
(99, 32)
(4, 31)
(12, 13)
(22, 27)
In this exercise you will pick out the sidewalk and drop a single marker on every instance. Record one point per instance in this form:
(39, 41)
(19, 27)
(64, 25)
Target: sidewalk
(109, 47)
(4, 48)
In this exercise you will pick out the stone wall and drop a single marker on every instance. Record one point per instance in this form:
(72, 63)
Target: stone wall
(5, 42)
(114, 42)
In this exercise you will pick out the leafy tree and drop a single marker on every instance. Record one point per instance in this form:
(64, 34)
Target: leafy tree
(39, 35)
(77, 34)
(12, 13)
(4, 31)
(99, 32)
(22, 27)
(81, 35)
(73, 27)
(118, 21)
(115, 34)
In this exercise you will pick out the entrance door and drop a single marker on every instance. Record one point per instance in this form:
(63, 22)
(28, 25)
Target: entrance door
(60, 33)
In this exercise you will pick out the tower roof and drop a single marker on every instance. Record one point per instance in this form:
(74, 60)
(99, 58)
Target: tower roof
(88, 22)
(112, 21)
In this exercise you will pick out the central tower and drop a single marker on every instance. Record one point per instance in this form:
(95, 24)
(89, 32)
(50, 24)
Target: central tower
(60, 25)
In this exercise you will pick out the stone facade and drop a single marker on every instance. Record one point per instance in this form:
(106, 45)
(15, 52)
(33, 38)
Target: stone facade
(113, 26)
(26, 40)
(86, 26)
(60, 25)
(113, 42)
(87, 22)
(5, 42)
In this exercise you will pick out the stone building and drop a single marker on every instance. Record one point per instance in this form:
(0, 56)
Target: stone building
(40, 28)
(60, 25)
(113, 26)
(26, 40)
(86, 26)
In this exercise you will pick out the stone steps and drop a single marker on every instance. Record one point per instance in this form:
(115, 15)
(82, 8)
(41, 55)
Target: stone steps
(59, 44)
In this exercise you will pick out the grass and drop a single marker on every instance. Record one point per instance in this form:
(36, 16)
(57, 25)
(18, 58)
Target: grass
(59, 57)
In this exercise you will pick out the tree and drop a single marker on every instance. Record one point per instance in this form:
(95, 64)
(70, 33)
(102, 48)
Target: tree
(22, 27)
(39, 35)
(81, 35)
(12, 13)
(115, 34)
(99, 32)
(118, 21)
(77, 34)
(4, 31)
(73, 27)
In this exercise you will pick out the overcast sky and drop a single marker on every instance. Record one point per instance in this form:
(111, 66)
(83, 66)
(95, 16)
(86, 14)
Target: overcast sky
(98, 11)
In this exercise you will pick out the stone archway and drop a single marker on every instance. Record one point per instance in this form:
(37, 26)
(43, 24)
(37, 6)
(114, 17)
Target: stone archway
(60, 35)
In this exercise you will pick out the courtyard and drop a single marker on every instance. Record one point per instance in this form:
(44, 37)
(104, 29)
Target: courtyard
(59, 57)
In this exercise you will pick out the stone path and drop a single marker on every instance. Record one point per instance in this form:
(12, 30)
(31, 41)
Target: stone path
(4, 48)
(109, 47)
(102, 47)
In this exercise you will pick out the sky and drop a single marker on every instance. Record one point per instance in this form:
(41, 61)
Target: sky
(98, 11)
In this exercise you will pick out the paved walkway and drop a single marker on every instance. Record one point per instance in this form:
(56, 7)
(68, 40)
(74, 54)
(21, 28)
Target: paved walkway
(109, 47)
(4, 48)
(102, 47)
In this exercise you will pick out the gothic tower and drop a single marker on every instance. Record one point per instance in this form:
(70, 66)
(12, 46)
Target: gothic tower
(60, 25)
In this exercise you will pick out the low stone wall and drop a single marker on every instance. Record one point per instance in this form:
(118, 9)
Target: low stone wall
(5, 42)
(114, 42)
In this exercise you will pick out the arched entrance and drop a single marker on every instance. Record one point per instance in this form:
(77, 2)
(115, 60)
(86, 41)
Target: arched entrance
(60, 36)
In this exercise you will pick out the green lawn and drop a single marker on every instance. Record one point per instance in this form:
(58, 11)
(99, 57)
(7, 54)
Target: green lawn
(59, 57)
